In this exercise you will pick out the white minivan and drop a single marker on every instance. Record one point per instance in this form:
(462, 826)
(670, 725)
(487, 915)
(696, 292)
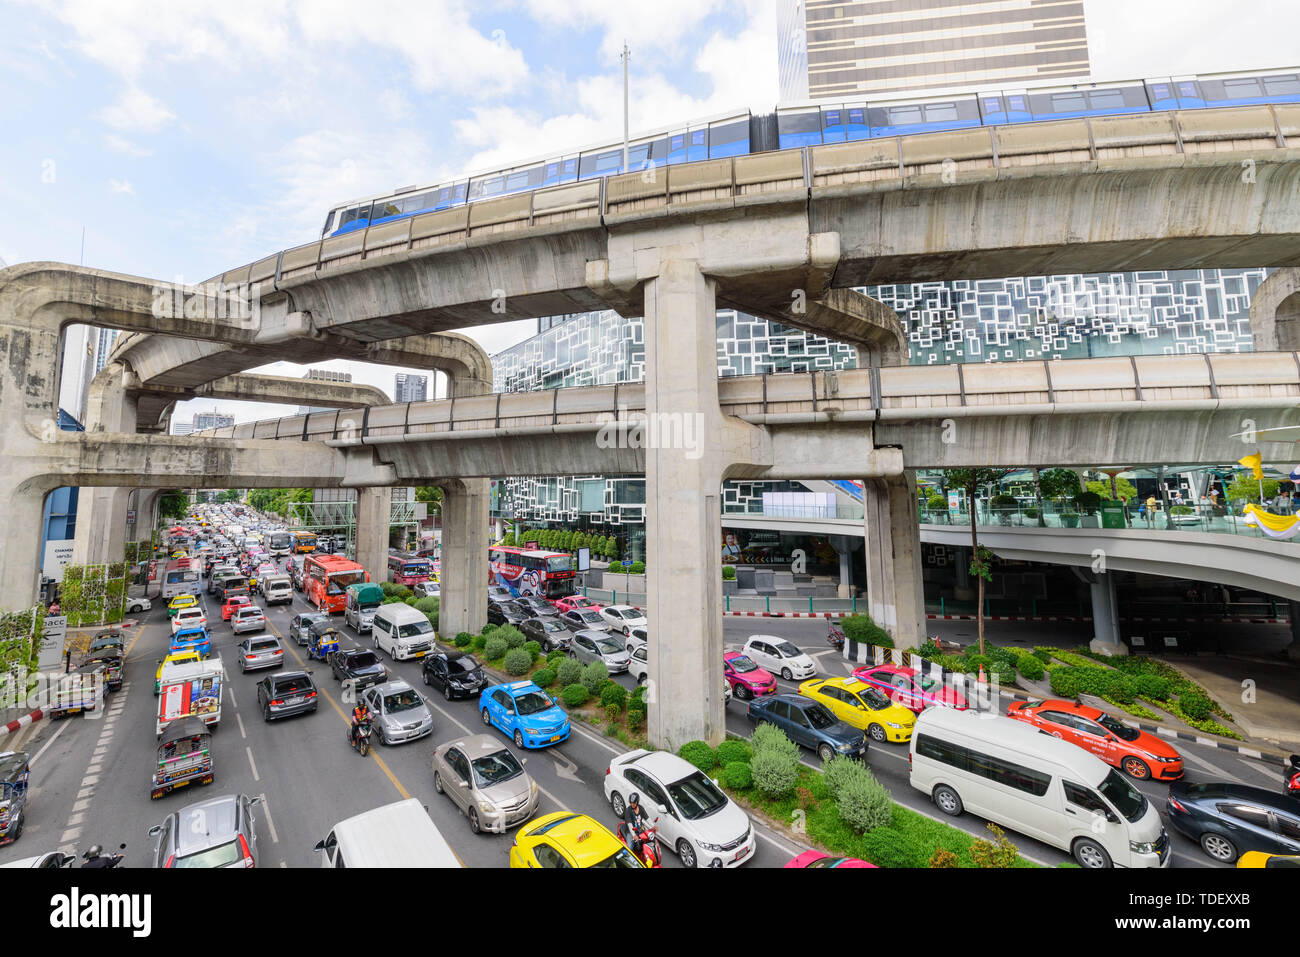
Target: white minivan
(396, 835)
(402, 631)
(779, 657)
(1019, 777)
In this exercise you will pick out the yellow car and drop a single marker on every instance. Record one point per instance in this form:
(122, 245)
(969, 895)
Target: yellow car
(175, 658)
(1264, 859)
(569, 840)
(179, 602)
(858, 704)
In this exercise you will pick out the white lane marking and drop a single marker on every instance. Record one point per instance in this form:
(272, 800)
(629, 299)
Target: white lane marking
(76, 819)
(591, 736)
(86, 792)
(80, 806)
(63, 727)
(234, 704)
(251, 764)
(238, 718)
(447, 714)
(89, 779)
(70, 835)
(266, 808)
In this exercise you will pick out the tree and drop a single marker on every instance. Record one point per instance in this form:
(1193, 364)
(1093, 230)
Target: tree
(431, 495)
(981, 563)
(1058, 483)
(1119, 488)
(1245, 486)
(227, 496)
(173, 504)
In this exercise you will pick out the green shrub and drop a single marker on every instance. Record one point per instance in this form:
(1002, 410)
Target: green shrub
(512, 636)
(638, 568)
(838, 771)
(575, 695)
(427, 605)
(569, 672)
(732, 750)
(1121, 688)
(464, 639)
(534, 649)
(614, 693)
(636, 714)
(942, 857)
(559, 654)
(594, 676)
(864, 803)
(402, 592)
(889, 847)
(638, 692)
(861, 628)
(737, 775)
(728, 573)
(768, 737)
(1042, 654)
(544, 678)
(699, 754)
(388, 588)
(1064, 682)
(1153, 687)
(612, 713)
(999, 852)
(1195, 705)
(480, 642)
(1030, 667)
(494, 648)
(517, 661)
(775, 771)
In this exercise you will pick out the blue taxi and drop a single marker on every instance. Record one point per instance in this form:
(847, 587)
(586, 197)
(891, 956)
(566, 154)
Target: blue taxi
(525, 713)
(191, 639)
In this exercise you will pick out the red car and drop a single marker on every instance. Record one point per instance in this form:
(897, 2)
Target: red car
(910, 688)
(818, 859)
(1136, 753)
(574, 602)
(747, 679)
(230, 604)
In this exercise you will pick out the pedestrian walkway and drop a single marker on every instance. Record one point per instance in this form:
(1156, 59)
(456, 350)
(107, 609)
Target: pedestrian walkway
(1261, 695)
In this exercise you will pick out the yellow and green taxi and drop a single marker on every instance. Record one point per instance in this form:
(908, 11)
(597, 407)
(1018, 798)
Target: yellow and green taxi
(175, 658)
(569, 840)
(861, 706)
(179, 602)
(1265, 859)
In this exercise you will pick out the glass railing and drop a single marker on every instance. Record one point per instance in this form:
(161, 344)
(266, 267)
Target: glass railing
(847, 511)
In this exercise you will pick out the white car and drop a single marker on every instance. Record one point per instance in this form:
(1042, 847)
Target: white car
(189, 618)
(779, 657)
(623, 618)
(639, 668)
(703, 826)
(137, 604)
(636, 638)
(50, 859)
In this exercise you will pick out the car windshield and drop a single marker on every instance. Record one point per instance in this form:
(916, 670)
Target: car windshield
(620, 858)
(414, 628)
(496, 768)
(819, 717)
(697, 797)
(402, 701)
(608, 646)
(552, 626)
(1125, 798)
(788, 650)
(292, 685)
(589, 616)
(1118, 728)
(743, 664)
(362, 659)
(218, 856)
(533, 702)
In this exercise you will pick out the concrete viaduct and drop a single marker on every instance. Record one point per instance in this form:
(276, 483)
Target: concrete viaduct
(781, 235)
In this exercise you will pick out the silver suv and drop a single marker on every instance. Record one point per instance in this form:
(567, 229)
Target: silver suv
(219, 832)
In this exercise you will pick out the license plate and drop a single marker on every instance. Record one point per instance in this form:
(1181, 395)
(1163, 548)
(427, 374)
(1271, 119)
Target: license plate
(419, 654)
(180, 784)
(556, 737)
(294, 700)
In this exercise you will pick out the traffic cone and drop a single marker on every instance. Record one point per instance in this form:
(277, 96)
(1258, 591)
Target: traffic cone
(982, 680)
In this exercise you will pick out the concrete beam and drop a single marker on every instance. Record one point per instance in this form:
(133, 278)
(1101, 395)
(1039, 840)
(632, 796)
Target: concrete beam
(1275, 312)
(247, 387)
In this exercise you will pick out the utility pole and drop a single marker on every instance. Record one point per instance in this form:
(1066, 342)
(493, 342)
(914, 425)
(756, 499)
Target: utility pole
(625, 56)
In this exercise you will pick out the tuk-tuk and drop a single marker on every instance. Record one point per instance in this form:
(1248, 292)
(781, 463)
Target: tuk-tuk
(77, 691)
(184, 756)
(106, 640)
(14, 773)
(321, 645)
(111, 660)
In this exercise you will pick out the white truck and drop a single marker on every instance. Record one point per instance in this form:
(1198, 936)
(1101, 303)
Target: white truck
(190, 688)
(276, 589)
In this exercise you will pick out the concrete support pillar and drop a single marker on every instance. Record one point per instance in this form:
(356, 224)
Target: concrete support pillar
(1105, 616)
(464, 579)
(374, 511)
(20, 546)
(101, 512)
(895, 593)
(1293, 649)
(843, 546)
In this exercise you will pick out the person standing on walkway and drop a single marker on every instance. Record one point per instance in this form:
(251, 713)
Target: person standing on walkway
(1152, 505)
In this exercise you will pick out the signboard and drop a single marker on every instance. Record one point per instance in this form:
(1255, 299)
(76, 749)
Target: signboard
(51, 651)
(1137, 641)
(584, 559)
(954, 501)
(196, 696)
(130, 516)
(627, 563)
(58, 554)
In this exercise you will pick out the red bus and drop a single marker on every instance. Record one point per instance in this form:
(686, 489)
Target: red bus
(527, 571)
(325, 579)
(407, 569)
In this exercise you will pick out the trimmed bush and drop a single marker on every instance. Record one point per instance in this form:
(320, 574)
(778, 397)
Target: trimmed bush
(699, 754)
(774, 771)
(1042, 654)
(1195, 705)
(575, 696)
(594, 676)
(517, 662)
(1121, 688)
(1153, 687)
(464, 639)
(512, 636)
(861, 628)
(479, 642)
(768, 737)
(612, 713)
(638, 568)
(838, 771)
(427, 605)
(534, 650)
(1064, 682)
(889, 847)
(614, 693)
(402, 592)
(1031, 668)
(558, 655)
(732, 750)
(569, 672)
(942, 857)
(636, 714)
(728, 573)
(544, 678)
(737, 775)
(494, 648)
(864, 802)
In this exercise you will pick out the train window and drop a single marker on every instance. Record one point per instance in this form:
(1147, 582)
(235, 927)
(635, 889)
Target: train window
(1281, 85)
(1068, 102)
(459, 195)
(730, 138)
(799, 129)
(899, 115)
(329, 222)
(517, 181)
(1240, 88)
(610, 161)
(385, 207)
(413, 204)
(348, 216)
(1106, 99)
(941, 113)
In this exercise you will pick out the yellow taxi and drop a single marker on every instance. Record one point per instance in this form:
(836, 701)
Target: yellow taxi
(175, 658)
(179, 602)
(1264, 859)
(858, 704)
(569, 840)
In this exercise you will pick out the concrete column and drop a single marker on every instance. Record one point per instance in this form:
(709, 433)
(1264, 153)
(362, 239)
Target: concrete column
(1105, 616)
(464, 578)
(20, 546)
(374, 511)
(1293, 649)
(843, 546)
(101, 512)
(895, 592)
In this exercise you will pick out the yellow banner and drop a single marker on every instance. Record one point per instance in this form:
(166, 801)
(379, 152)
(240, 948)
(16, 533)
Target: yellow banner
(1274, 526)
(1254, 463)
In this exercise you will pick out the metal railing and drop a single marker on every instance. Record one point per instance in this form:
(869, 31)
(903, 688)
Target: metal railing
(850, 511)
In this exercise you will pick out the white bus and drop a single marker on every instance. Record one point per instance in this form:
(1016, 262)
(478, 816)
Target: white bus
(1015, 775)
(181, 577)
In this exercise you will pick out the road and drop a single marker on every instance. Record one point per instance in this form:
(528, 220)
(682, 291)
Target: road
(91, 775)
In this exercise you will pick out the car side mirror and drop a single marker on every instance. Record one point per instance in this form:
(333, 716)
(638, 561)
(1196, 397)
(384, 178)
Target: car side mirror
(155, 830)
(664, 810)
(252, 802)
(320, 846)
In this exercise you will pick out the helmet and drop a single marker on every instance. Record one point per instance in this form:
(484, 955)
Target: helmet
(95, 850)
(634, 799)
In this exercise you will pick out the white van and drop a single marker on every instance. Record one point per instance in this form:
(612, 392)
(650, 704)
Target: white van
(277, 588)
(1014, 775)
(395, 835)
(402, 631)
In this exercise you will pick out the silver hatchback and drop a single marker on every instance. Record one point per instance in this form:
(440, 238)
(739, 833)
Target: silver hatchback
(486, 782)
(589, 646)
(218, 832)
(397, 712)
(248, 618)
(260, 653)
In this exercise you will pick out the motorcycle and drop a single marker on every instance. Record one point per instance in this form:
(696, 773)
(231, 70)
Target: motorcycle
(651, 853)
(95, 857)
(835, 638)
(1291, 776)
(361, 740)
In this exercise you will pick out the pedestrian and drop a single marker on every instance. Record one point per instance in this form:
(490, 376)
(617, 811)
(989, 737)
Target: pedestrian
(1152, 505)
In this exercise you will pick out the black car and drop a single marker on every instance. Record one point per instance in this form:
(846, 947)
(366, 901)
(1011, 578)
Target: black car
(458, 675)
(548, 632)
(286, 693)
(537, 607)
(506, 613)
(299, 624)
(360, 665)
(1229, 819)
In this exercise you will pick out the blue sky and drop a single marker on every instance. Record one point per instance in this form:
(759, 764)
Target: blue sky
(187, 138)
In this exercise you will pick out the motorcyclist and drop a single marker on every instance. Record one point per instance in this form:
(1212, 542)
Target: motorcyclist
(360, 714)
(635, 819)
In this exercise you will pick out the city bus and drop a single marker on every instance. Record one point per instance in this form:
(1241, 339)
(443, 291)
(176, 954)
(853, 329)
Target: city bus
(528, 571)
(303, 542)
(406, 569)
(181, 577)
(280, 543)
(325, 579)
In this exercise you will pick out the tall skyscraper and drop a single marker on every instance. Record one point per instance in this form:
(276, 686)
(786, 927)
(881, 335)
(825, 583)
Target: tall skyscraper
(323, 375)
(410, 388)
(105, 340)
(857, 48)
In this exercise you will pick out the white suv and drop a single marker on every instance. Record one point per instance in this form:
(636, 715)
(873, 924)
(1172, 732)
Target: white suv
(779, 657)
(695, 818)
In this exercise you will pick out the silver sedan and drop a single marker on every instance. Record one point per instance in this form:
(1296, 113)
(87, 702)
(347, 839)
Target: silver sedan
(486, 782)
(589, 646)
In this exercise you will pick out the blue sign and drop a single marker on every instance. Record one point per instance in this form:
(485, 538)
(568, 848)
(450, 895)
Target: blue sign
(627, 563)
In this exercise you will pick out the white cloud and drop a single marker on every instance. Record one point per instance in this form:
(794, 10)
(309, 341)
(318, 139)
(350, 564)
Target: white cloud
(121, 186)
(122, 145)
(136, 110)
(659, 27)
